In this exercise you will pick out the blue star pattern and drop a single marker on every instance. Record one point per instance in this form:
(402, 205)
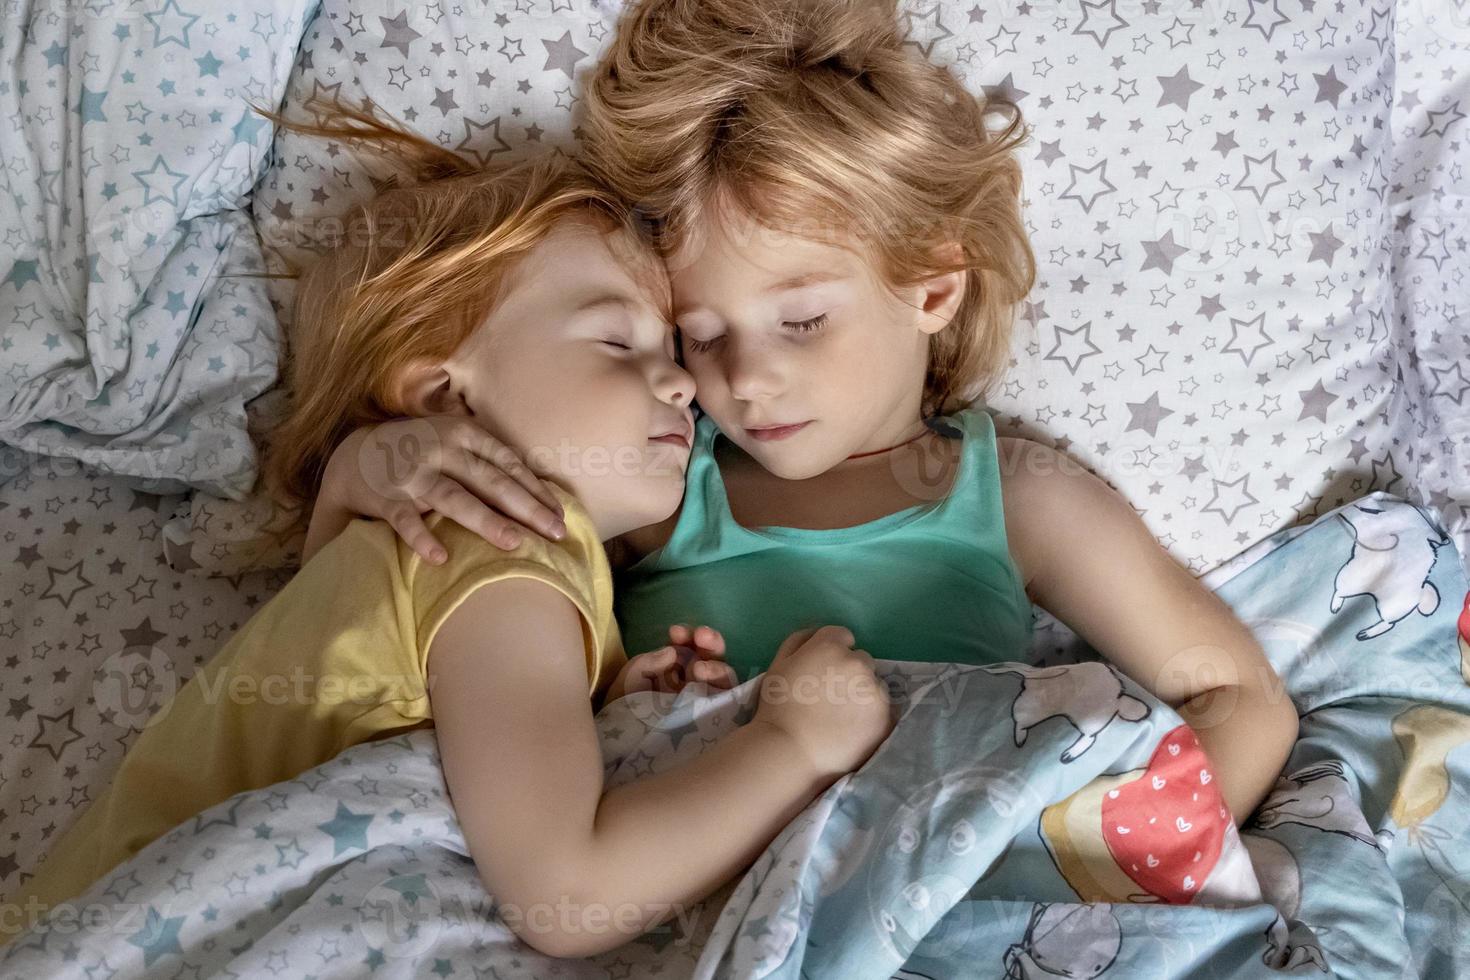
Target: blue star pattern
(158, 937)
(348, 830)
(972, 839)
(129, 339)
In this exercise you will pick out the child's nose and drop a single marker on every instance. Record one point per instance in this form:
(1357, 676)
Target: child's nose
(750, 373)
(676, 386)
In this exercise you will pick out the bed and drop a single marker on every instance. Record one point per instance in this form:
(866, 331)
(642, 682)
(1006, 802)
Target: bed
(1250, 227)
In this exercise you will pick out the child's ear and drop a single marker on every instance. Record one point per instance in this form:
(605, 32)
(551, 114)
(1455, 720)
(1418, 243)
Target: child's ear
(940, 297)
(427, 390)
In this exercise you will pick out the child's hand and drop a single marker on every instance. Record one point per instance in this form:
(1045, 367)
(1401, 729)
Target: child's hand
(702, 655)
(400, 470)
(694, 655)
(839, 727)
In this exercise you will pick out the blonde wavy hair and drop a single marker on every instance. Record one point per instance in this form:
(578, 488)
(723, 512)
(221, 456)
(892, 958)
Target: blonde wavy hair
(415, 270)
(814, 113)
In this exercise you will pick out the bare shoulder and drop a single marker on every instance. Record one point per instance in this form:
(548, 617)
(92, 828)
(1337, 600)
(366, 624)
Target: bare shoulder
(1014, 456)
(1040, 487)
(1048, 496)
(1012, 449)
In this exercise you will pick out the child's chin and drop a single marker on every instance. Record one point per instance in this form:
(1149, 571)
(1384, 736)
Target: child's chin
(786, 464)
(661, 496)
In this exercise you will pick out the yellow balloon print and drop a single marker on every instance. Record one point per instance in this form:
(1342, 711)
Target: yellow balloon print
(1426, 734)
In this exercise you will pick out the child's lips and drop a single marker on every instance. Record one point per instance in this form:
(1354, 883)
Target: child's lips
(682, 436)
(772, 433)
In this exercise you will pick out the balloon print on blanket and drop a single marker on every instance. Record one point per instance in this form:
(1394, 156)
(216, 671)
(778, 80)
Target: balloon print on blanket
(1464, 639)
(1066, 941)
(1161, 833)
(1426, 735)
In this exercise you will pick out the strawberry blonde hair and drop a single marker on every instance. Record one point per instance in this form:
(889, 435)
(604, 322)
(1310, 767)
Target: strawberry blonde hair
(415, 271)
(807, 113)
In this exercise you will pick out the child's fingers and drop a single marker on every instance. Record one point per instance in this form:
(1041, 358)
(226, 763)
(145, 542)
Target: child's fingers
(714, 673)
(505, 496)
(409, 523)
(660, 669)
(501, 455)
(791, 644)
(707, 640)
(709, 668)
(495, 471)
(644, 671)
(657, 660)
(672, 679)
(455, 502)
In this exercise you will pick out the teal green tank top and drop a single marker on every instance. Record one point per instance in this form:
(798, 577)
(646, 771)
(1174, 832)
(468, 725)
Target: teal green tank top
(934, 582)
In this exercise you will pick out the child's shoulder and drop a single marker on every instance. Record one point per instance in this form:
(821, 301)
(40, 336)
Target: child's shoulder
(362, 540)
(1013, 452)
(1045, 492)
(1029, 465)
(469, 552)
(1026, 468)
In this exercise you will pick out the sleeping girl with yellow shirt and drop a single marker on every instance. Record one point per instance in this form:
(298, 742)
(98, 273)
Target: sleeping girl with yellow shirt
(511, 315)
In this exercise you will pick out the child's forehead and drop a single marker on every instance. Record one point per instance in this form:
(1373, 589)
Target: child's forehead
(582, 258)
(643, 265)
(779, 252)
(618, 254)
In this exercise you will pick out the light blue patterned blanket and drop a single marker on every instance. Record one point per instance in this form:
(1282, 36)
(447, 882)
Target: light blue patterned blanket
(134, 327)
(1021, 821)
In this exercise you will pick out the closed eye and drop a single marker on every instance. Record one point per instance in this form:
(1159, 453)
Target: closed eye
(807, 326)
(701, 345)
(797, 326)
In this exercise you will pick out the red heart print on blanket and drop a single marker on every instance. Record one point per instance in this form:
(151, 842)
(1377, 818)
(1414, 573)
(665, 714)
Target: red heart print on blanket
(1165, 828)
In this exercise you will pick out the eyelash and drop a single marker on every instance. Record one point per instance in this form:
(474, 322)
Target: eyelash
(799, 326)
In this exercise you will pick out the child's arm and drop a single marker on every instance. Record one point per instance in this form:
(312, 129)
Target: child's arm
(574, 870)
(399, 470)
(1096, 567)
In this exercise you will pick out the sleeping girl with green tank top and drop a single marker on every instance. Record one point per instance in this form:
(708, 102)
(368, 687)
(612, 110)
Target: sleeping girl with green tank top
(847, 251)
